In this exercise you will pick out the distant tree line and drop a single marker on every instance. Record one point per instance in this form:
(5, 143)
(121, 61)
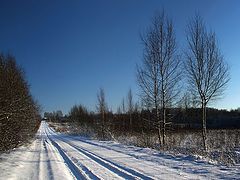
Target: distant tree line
(19, 113)
(139, 119)
(182, 118)
(55, 116)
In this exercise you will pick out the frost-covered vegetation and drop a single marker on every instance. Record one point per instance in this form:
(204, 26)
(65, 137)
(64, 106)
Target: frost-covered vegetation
(224, 144)
(19, 113)
(184, 134)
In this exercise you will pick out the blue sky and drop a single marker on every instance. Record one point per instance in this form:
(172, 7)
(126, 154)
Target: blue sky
(69, 49)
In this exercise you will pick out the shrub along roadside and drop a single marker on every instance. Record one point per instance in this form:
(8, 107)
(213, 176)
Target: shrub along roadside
(19, 113)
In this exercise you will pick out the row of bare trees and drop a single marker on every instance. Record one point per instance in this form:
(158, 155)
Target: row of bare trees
(19, 113)
(159, 75)
(162, 73)
(167, 78)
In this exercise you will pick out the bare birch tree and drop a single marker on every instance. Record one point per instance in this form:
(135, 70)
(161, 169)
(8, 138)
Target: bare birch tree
(130, 106)
(102, 109)
(159, 75)
(206, 70)
(123, 106)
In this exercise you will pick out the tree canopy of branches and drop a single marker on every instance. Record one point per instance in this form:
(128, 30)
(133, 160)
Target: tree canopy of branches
(19, 113)
(159, 75)
(206, 70)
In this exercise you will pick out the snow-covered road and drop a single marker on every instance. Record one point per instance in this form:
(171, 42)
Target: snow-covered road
(56, 156)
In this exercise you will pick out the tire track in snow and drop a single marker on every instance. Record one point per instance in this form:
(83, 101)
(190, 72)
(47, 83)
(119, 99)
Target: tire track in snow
(122, 171)
(182, 172)
(51, 160)
(45, 171)
(86, 174)
(119, 170)
(96, 165)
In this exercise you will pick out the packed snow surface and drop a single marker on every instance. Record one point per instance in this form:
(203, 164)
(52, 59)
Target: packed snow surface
(57, 156)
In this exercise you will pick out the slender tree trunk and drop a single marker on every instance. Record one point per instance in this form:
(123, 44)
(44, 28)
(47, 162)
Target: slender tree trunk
(130, 121)
(157, 109)
(204, 126)
(158, 126)
(164, 124)
(103, 124)
(149, 123)
(163, 111)
(159, 135)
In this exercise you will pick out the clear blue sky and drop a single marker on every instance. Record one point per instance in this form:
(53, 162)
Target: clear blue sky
(71, 48)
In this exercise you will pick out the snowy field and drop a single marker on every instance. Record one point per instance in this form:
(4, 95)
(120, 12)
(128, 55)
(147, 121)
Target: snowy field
(57, 156)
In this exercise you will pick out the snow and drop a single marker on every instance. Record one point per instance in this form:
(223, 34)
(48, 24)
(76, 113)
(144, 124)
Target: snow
(57, 156)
